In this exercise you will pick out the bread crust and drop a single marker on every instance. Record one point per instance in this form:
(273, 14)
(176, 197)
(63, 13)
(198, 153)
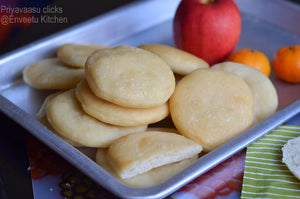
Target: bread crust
(129, 77)
(118, 115)
(66, 116)
(140, 152)
(264, 92)
(52, 74)
(212, 107)
(181, 62)
(148, 179)
(75, 55)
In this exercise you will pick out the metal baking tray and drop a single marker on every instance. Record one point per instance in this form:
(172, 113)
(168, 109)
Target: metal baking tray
(267, 26)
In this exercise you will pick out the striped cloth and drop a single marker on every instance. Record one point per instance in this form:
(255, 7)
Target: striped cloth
(265, 176)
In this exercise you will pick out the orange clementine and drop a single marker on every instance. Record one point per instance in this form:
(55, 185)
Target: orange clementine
(253, 58)
(286, 63)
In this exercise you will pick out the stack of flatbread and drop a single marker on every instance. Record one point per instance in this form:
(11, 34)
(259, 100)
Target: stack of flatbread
(108, 96)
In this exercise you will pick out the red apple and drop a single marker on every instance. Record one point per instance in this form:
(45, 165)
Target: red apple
(209, 29)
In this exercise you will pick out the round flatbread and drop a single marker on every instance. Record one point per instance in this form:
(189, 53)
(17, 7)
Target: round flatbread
(130, 77)
(66, 116)
(52, 74)
(115, 114)
(140, 152)
(75, 55)
(41, 116)
(148, 179)
(211, 107)
(181, 62)
(264, 92)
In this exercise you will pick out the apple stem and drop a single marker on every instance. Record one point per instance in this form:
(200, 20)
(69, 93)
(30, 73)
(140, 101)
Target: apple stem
(206, 1)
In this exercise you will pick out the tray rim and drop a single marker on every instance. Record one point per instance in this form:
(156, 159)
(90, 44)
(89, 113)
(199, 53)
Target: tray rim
(192, 171)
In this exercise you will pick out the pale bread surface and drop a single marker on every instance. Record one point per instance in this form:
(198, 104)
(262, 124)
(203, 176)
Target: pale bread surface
(130, 77)
(118, 115)
(181, 62)
(264, 92)
(42, 117)
(66, 116)
(151, 178)
(51, 74)
(212, 107)
(75, 55)
(140, 152)
(291, 156)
